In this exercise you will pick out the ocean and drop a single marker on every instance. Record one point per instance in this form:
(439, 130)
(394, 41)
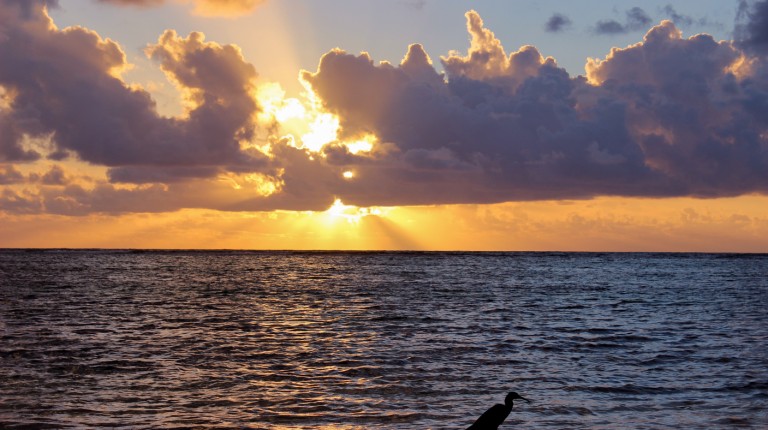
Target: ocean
(381, 340)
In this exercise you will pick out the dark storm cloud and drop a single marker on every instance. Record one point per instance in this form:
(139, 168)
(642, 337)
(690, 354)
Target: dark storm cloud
(63, 84)
(557, 23)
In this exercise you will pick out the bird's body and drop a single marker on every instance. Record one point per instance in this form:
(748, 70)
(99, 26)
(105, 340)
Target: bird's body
(493, 417)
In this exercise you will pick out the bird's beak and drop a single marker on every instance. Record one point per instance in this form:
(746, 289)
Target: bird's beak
(523, 398)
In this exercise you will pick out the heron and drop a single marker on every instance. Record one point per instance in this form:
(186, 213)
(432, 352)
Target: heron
(493, 417)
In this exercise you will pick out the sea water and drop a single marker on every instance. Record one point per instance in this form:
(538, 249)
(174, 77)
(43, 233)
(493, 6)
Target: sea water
(381, 340)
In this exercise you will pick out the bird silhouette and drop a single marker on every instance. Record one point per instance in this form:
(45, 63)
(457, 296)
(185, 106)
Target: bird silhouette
(493, 417)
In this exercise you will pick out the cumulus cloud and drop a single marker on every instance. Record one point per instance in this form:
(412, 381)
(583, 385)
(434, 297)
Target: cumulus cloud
(752, 26)
(668, 116)
(663, 117)
(201, 7)
(557, 23)
(688, 112)
(488, 61)
(62, 84)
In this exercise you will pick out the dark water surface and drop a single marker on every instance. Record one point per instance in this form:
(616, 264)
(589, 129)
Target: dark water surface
(382, 340)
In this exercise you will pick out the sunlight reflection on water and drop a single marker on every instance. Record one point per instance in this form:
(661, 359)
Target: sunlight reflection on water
(382, 340)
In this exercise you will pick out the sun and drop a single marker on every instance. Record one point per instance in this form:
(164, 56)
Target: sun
(349, 213)
(305, 121)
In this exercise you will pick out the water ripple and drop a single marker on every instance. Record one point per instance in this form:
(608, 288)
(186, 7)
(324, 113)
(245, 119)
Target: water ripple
(381, 340)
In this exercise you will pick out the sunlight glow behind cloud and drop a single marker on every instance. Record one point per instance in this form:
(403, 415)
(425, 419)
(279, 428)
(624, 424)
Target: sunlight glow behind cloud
(667, 117)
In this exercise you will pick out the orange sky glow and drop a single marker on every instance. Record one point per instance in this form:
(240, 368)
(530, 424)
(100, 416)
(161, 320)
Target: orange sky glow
(603, 224)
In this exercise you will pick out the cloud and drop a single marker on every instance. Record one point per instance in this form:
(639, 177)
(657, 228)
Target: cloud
(54, 176)
(20, 203)
(30, 9)
(63, 84)
(688, 21)
(635, 20)
(487, 60)
(10, 175)
(752, 26)
(667, 116)
(557, 23)
(678, 19)
(664, 117)
(610, 27)
(10, 141)
(689, 114)
(201, 7)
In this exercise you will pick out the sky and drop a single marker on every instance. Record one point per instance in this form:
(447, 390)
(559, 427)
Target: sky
(402, 124)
